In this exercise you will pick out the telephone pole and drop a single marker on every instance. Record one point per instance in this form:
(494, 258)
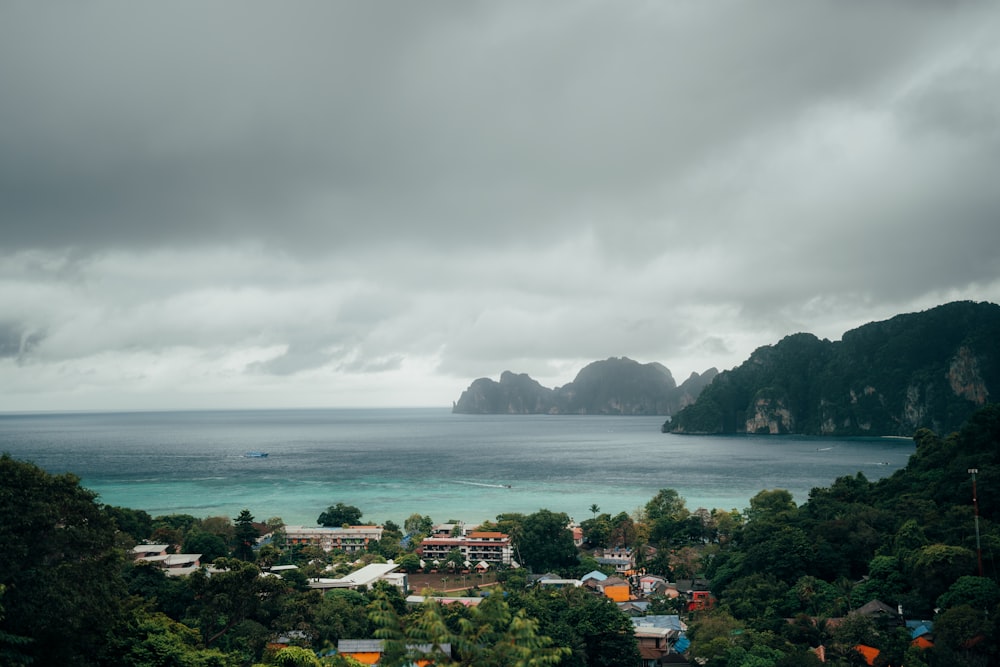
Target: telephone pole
(975, 509)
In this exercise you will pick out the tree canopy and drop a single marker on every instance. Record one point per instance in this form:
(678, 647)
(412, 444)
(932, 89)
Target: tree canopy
(340, 515)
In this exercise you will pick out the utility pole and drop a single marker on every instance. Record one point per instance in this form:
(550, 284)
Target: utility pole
(975, 509)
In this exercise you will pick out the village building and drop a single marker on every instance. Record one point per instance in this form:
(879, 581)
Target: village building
(620, 558)
(365, 578)
(369, 651)
(174, 565)
(351, 539)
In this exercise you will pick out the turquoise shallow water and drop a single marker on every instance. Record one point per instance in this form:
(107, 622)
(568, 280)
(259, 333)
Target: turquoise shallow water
(395, 462)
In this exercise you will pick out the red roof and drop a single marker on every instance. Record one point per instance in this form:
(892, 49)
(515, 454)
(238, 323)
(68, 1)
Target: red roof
(869, 653)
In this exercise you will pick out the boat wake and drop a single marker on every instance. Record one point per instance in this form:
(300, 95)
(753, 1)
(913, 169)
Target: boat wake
(491, 486)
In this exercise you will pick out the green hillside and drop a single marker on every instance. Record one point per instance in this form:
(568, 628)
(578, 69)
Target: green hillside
(921, 370)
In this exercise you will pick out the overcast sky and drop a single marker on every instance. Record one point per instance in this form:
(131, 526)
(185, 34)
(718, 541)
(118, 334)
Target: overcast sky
(261, 204)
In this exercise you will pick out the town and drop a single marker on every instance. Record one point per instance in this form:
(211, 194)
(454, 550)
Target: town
(472, 561)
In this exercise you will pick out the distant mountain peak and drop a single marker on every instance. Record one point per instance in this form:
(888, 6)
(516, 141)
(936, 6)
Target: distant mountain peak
(616, 385)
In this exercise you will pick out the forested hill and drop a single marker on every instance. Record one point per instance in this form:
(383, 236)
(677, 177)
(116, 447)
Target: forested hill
(916, 543)
(615, 386)
(921, 370)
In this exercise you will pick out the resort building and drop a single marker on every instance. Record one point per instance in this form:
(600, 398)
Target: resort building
(352, 539)
(490, 547)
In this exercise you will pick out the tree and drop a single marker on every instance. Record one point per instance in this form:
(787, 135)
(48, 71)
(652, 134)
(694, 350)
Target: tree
(774, 504)
(607, 634)
(342, 614)
(597, 531)
(295, 656)
(490, 636)
(959, 634)
(936, 566)
(546, 542)
(340, 515)
(409, 563)
(209, 545)
(245, 535)
(979, 593)
(156, 639)
(666, 504)
(136, 523)
(10, 654)
(234, 597)
(61, 569)
(415, 524)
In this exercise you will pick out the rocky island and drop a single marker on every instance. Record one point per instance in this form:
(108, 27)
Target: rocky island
(614, 386)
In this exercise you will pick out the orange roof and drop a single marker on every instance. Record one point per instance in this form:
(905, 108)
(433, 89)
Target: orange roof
(485, 534)
(922, 642)
(868, 652)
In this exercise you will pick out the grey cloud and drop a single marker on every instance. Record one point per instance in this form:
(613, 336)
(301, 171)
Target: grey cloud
(17, 340)
(325, 128)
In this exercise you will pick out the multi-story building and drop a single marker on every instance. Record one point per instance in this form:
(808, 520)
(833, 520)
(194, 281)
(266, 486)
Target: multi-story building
(477, 546)
(352, 539)
(620, 558)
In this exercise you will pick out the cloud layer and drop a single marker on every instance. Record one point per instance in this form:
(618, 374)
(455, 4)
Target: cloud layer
(249, 204)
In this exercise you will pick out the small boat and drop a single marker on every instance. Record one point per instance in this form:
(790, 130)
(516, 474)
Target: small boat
(255, 455)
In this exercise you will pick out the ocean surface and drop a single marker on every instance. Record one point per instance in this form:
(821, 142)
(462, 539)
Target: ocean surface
(392, 463)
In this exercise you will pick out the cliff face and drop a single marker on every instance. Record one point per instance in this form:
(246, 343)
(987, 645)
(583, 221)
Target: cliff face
(929, 369)
(615, 386)
(514, 394)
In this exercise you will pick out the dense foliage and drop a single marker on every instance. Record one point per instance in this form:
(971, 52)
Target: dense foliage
(921, 370)
(908, 541)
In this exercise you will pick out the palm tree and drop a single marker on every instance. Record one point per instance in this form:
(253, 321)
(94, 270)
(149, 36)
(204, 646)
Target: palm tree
(594, 509)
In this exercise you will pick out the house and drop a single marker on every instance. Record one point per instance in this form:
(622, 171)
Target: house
(634, 607)
(417, 600)
(659, 638)
(174, 565)
(698, 595)
(577, 534)
(560, 583)
(485, 546)
(290, 638)
(880, 612)
(369, 651)
(351, 539)
(364, 578)
(615, 588)
(595, 576)
(144, 551)
(921, 633)
(869, 653)
(651, 584)
(700, 601)
(620, 558)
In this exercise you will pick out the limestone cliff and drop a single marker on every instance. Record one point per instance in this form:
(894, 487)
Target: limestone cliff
(615, 386)
(930, 369)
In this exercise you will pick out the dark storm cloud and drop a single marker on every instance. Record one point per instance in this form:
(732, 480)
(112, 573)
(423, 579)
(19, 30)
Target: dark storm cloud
(439, 121)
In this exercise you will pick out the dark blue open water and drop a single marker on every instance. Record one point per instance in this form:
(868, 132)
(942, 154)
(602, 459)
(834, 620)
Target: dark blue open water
(395, 462)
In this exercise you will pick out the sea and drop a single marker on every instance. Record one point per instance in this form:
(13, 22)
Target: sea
(392, 463)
